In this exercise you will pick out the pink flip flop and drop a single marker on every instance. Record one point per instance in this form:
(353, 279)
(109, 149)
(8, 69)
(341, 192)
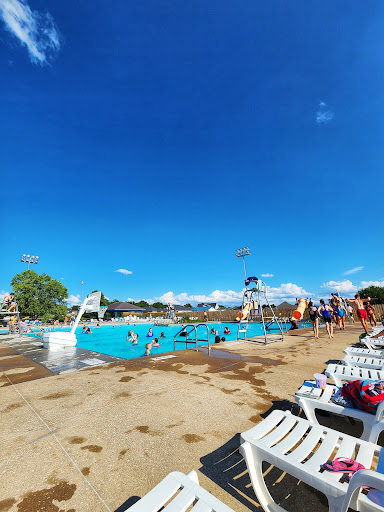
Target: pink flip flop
(343, 465)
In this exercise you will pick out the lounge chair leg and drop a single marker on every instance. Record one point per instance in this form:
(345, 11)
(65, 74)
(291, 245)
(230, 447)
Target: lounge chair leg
(309, 411)
(255, 471)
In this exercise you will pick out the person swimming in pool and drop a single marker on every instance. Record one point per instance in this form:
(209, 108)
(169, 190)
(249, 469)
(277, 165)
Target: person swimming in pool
(148, 347)
(150, 333)
(132, 337)
(162, 335)
(226, 330)
(212, 331)
(156, 343)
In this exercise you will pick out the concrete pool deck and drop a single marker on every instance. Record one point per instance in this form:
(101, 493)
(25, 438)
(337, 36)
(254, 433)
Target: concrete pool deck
(96, 439)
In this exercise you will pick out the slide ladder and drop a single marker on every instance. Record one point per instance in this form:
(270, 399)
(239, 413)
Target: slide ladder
(4, 312)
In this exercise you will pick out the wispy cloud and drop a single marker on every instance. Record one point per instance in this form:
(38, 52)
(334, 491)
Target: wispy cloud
(37, 31)
(324, 114)
(267, 275)
(124, 271)
(345, 286)
(353, 271)
(2, 295)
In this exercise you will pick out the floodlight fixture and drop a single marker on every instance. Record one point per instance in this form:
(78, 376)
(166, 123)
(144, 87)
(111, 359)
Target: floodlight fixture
(28, 258)
(241, 253)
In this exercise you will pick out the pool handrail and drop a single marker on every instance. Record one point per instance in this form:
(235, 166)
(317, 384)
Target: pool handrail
(193, 329)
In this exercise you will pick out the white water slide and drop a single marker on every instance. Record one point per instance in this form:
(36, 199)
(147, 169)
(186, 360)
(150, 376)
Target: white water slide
(59, 339)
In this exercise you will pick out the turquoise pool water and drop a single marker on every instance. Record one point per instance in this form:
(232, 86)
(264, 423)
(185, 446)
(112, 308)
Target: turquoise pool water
(111, 339)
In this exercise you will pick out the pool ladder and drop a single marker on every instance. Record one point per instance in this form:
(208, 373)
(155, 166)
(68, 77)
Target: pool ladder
(195, 340)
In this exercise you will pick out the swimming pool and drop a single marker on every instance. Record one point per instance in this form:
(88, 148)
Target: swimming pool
(111, 339)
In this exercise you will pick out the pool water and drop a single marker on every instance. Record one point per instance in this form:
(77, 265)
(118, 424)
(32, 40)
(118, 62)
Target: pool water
(111, 339)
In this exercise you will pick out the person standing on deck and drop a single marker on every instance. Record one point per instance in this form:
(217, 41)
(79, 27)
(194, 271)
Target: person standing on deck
(361, 313)
(325, 312)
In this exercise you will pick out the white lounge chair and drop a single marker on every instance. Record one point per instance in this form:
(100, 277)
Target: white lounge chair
(363, 362)
(190, 493)
(300, 447)
(373, 343)
(364, 352)
(339, 373)
(373, 423)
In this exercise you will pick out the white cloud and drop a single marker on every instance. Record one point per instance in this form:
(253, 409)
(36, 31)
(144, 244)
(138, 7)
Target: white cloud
(365, 284)
(124, 271)
(345, 286)
(267, 275)
(2, 295)
(324, 115)
(74, 300)
(35, 30)
(287, 291)
(353, 271)
(223, 297)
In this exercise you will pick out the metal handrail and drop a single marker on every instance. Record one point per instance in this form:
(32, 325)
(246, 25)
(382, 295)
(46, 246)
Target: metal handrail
(193, 329)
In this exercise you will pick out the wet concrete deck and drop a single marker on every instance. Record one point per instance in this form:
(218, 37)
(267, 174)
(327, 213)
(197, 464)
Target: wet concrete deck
(96, 439)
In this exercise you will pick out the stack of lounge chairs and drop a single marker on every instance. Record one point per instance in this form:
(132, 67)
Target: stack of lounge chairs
(301, 447)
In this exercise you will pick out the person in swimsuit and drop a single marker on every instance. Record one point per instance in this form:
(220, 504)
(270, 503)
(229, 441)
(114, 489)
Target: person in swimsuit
(9, 302)
(132, 338)
(325, 312)
(312, 310)
(350, 311)
(371, 314)
(361, 313)
(226, 330)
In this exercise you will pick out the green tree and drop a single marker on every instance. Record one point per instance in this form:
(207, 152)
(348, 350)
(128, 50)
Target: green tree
(38, 295)
(141, 304)
(373, 291)
(159, 305)
(188, 305)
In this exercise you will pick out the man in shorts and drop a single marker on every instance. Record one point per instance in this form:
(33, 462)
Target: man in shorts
(361, 313)
(9, 302)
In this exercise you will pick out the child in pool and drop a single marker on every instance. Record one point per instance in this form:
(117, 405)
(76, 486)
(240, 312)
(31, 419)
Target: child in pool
(226, 330)
(133, 337)
(148, 347)
(162, 335)
(156, 343)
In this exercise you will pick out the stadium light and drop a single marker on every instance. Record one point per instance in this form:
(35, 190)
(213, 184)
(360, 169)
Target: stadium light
(241, 253)
(27, 258)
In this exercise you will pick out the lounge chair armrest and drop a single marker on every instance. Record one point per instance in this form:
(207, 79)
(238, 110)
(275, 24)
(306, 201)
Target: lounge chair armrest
(379, 411)
(365, 477)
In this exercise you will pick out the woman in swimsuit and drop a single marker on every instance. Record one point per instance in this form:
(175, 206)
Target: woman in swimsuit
(371, 314)
(312, 310)
(325, 312)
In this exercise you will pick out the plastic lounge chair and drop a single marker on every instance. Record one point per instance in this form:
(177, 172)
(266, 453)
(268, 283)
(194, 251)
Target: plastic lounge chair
(363, 362)
(190, 493)
(339, 373)
(373, 343)
(364, 352)
(300, 447)
(373, 423)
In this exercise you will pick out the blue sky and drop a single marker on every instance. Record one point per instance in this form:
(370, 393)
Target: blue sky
(157, 137)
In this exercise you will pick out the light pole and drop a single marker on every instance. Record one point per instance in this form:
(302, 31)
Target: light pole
(241, 253)
(27, 258)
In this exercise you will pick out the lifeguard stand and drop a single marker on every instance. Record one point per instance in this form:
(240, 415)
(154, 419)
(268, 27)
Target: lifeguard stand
(252, 301)
(5, 313)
